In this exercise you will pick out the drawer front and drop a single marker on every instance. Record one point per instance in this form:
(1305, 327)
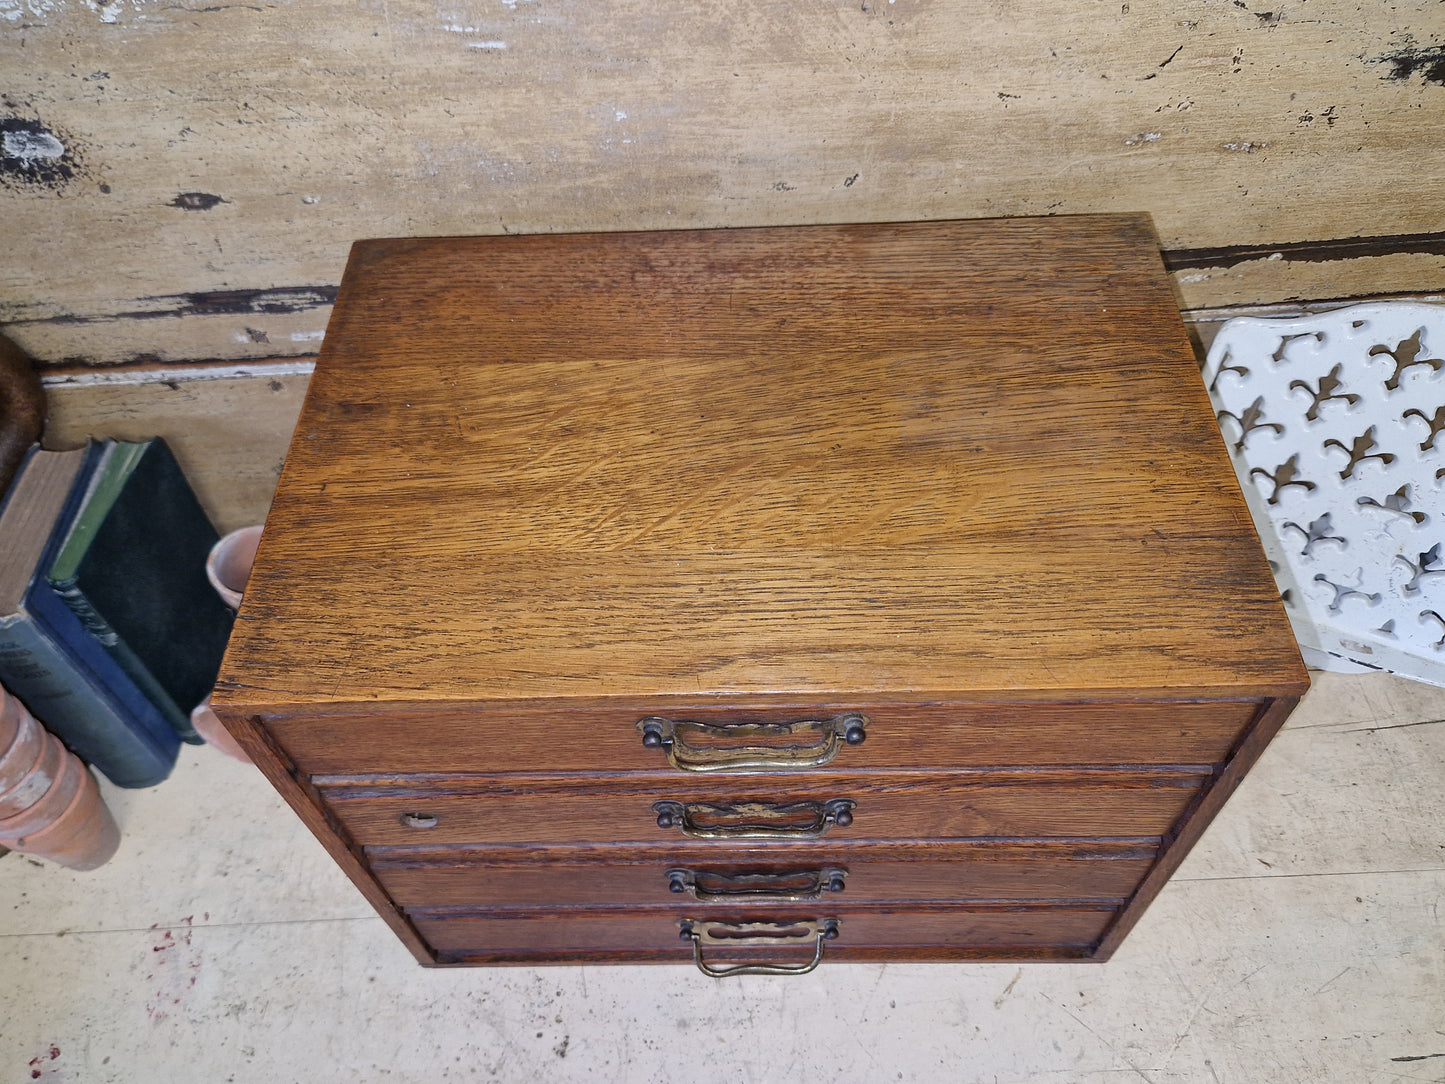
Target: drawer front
(621, 811)
(913, 737)
(743, 877)
(861, 933)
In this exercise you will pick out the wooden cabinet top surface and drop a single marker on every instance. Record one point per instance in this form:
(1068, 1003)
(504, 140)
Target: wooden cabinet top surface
(901, 462)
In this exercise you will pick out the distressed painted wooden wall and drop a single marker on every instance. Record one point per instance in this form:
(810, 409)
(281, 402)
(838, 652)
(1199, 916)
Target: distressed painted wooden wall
(180, 180)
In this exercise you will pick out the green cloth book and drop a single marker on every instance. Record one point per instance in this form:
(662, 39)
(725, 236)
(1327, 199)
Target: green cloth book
(133, 569)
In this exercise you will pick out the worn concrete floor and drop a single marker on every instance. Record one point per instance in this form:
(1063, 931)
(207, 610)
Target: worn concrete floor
(1303, 941)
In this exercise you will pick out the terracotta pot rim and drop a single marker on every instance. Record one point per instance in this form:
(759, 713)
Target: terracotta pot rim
(73, 839)
(228, 565)
(49, 762)
(58, 823)
(23, 726)
(28, 733)
(50, 806)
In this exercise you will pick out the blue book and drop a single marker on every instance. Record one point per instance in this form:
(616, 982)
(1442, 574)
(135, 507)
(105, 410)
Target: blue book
(47, 656)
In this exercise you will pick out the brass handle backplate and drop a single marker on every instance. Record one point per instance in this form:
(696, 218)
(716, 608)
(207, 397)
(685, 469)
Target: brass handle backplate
(755, 820)
(709, 886)
(752, 934)
(752, 747)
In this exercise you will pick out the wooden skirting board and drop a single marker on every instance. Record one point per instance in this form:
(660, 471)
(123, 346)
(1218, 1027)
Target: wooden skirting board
(230, 433)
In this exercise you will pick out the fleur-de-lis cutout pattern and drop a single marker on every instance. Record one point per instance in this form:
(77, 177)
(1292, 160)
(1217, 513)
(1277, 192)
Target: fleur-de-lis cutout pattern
(1336, 425)
(1318, 531)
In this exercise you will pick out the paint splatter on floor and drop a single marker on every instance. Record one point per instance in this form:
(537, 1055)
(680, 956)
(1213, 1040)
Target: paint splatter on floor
(175, 966)
(43, 1065)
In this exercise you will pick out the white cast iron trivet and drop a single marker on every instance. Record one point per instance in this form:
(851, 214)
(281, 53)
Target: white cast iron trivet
(1336, 425)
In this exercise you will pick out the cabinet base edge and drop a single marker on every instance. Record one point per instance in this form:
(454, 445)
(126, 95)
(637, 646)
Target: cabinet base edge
(835, 954)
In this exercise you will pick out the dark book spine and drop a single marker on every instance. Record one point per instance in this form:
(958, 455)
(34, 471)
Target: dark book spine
(58, 622)
(78, 710)
(94, 623)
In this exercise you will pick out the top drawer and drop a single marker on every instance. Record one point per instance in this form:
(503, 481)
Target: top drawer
(708, 737)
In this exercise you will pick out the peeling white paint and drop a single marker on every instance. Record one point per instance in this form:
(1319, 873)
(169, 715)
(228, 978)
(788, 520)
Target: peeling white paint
(108, 10)
(1144, 137)
(30, 149)
(455, 29)
(15, 10)
(486, 45)
(131, 377)
(307, 336)
(620, 115)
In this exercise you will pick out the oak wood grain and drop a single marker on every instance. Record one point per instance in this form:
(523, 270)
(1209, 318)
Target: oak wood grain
(842, 459)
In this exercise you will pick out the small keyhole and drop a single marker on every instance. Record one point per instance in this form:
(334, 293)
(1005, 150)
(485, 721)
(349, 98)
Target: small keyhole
(420, 820)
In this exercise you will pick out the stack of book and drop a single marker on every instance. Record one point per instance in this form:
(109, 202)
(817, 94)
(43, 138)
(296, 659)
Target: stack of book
(110, 632)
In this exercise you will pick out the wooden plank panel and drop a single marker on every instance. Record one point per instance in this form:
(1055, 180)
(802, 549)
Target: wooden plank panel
(183, 182)
(230, 434)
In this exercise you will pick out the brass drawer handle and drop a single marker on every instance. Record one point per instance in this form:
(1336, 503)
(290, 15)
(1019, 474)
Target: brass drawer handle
(748, 934)
(793, 887)
(755, 820)
(717, 747)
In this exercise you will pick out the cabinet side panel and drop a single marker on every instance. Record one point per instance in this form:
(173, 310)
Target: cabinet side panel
(283, 774)
(1271, 717)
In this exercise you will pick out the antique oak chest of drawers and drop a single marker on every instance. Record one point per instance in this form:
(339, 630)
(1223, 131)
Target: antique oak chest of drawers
(750, 597)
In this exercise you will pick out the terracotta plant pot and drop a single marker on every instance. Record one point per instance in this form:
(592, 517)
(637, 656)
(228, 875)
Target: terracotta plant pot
(70, 824)
(27, 739)
(42, 773)
(228, 565)
(81, 836)
(48, 807)
(209, 726)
